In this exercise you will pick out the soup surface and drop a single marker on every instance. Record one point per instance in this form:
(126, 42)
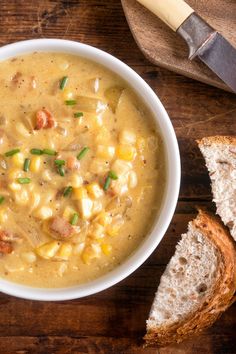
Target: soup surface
(82, 170)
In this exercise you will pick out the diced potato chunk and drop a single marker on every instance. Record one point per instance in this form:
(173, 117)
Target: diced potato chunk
(96, 231)
(21, 197)
(44, 213)
(21, 128)
(46, 175)
(106, 249)
(80, 193)
(18, 160)
(97, 207)
(34, 200)
(94, 190)
(113, 94)
(121, 167)
(48, 250)
(90, 104)
(64, 252)
(35, 164)
(105, 152)
(99, 166)
(85, 206)
(68, 213)
(126, 152)
(103, 135)
(91, 252)
(127, 137)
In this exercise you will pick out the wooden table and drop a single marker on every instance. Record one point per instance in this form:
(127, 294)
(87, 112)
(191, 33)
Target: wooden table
(114, 320)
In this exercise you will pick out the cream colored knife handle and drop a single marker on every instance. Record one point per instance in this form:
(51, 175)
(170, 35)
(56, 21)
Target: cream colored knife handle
(172, 12)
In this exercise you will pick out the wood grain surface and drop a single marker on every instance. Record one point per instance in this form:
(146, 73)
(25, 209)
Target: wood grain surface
(165, 48)
(113, 321)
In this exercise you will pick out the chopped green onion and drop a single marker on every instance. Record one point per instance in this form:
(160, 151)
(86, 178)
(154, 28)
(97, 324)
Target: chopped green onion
(74, 219)
(67, 191)
(49, 152)
(70, 102)
(78, 114)
(36, 152)
(61, 171)
(26, 165)
(60, 162)
(112, 175)
(63, 82)
(82, 153)
(12, 152)
(107, 183)
(24, 180)
(1, 199)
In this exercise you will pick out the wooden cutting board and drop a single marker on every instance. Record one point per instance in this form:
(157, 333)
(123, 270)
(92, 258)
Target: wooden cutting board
(165, 48)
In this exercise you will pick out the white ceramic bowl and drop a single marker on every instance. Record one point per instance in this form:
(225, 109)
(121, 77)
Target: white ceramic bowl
(172, 160)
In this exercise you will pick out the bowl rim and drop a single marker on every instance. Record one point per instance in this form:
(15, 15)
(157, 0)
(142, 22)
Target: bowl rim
(151, 241)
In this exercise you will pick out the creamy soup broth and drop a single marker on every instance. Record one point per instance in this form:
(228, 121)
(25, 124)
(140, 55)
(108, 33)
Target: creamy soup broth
(82, 170)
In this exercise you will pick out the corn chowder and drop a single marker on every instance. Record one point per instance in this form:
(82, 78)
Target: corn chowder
(82, 170)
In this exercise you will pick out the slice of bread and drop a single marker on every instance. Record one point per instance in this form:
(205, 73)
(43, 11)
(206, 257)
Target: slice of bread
(198, 284)
(220, 156)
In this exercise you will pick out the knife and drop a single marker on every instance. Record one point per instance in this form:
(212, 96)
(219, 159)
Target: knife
(203, 41)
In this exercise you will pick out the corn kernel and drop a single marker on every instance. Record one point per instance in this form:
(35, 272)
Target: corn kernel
(35, 164)
(68, 213)
(127, 137)
(113, 230)
(44, 213)
(76, 181)
(3, 216)
(28, 257)
(68, 94)
(96, 231)
(78, 249)
(79, 193)
(14, 186)
(126, 152)
(105, 152)
(64, 252)
(104, 218)
(94, 190)
(18, 160)
(35, 200)
(91, 252)
(14, 173)
(48, 250)
(106, 249)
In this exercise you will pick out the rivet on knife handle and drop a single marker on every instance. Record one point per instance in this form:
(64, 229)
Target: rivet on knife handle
(172, 12)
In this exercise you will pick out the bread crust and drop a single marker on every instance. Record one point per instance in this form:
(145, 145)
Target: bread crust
(217, 139)
(222, 295)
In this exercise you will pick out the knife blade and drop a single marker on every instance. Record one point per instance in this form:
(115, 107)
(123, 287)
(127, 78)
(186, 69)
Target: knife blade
(203, 40)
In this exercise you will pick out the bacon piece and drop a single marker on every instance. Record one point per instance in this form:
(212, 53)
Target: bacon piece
(44, 119)
(5, 247)
(61, 227)
(72, 163)
(7, 236)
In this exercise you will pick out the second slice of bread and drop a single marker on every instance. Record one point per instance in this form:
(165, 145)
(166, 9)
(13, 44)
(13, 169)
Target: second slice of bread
(198, 284)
